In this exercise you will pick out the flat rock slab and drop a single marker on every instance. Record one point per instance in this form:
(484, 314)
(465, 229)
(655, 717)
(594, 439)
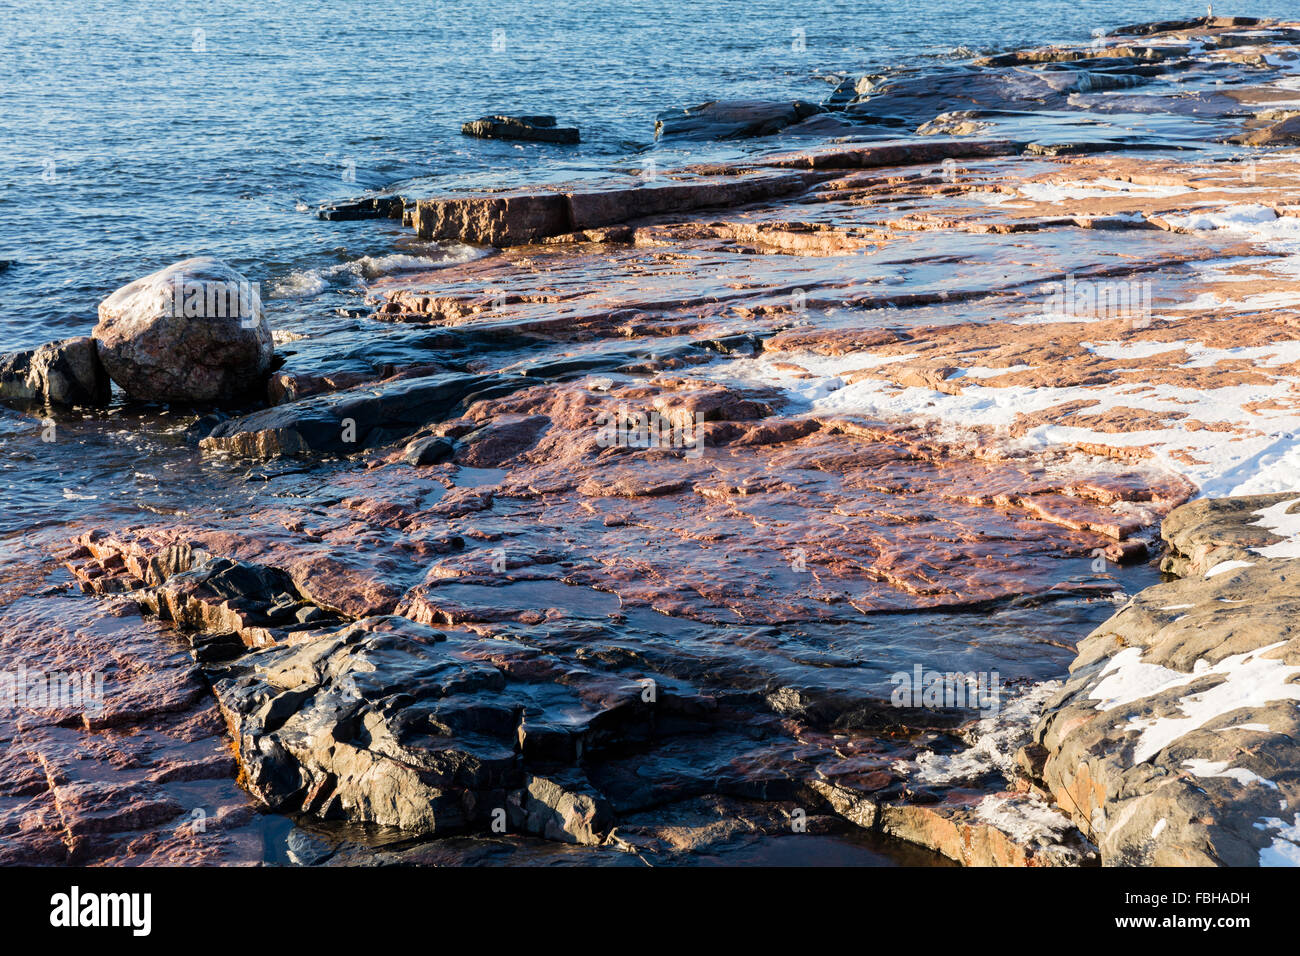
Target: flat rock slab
(504, 220)
(739, 119)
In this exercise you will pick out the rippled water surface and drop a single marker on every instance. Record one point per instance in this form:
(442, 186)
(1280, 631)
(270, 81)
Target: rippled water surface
(134, 135)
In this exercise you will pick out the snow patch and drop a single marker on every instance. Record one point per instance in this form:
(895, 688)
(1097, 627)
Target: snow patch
(1250, 680)
(1225, 566)
(1276, 519)
(1219, 768)
(1026, 820)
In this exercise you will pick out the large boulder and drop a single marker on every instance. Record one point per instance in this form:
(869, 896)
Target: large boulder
(193, 332)
(58, 373)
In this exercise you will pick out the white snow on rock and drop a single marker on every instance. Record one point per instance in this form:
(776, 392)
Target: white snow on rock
(993, 742)
(1224, 566)
(1259, 455)
(1252, 221)
(1277, 519)
(1250, 680)
(1025, 820)
(1096, 188)
(1285, 848)
(1219, 768)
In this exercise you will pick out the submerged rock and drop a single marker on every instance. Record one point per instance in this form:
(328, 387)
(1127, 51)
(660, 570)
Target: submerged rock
(732, 119)
(59, 373)
(193, 332)
(537, 129)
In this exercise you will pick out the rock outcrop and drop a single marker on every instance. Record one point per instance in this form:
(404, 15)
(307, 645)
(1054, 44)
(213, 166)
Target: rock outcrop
(622, 532)
(1176, 740)
(369, 207)
(191, 333)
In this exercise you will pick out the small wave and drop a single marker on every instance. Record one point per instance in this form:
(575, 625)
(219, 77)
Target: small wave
(299, 285)
(305, 283)
(375, 267)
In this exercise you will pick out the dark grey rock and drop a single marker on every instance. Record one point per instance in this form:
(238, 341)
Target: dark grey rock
(429, 450)
(58, 373)
(537, 129)
(370, 207)
(383, 723)
(350, 420)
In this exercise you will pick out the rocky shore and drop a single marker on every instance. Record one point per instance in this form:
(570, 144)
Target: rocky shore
(615, 542)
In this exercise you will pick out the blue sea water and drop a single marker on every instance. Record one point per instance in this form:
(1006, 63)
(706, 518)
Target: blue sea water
(133, 135)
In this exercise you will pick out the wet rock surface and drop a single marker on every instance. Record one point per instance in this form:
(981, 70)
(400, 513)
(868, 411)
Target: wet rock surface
(133, 765)
(732, 120)
(1173, 743)
(346, 421)
(551, 729)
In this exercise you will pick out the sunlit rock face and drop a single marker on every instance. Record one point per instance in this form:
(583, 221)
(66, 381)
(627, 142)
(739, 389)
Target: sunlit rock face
(1173, 743)
(193, 332)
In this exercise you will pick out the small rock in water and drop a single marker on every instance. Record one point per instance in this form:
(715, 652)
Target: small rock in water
(193, 332)
(58, 373)
(537, 129)
(371, 207)
(736, 119)
(429, 451)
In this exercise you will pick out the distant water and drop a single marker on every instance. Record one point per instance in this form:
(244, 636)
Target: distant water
(133, 135)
